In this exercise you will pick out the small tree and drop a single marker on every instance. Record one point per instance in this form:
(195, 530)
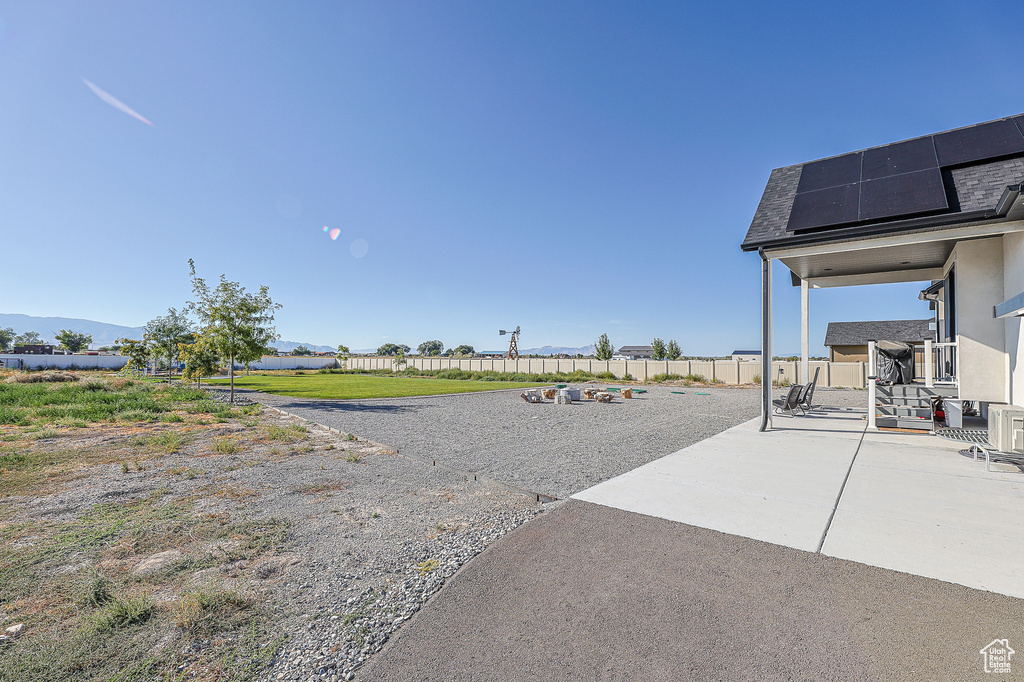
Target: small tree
(393, 349)
(430, 348)
(657, 349)
(603, 349)
(73, 341)
(343, 350)
(465, 350)
(400, 360)
(27, 339)
(166, 333)
(138, 352)
(201, 359)
(238, 325)
(672, 351)
(7, 336)
(302, 350)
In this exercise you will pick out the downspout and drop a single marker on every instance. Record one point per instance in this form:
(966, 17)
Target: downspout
(766, 355)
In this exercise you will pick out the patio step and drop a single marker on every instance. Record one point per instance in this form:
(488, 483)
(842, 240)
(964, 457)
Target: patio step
(916, 391)
(883, 409)
(903, 423)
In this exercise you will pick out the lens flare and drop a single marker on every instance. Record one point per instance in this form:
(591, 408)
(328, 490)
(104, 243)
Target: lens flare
(359, 248)
(334, 233)
(115, 102)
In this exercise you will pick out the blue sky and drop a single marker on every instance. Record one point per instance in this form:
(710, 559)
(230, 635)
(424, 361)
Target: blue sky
(573, 168)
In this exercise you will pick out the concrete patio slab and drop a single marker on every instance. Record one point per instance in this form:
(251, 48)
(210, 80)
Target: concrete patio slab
(911, 502)
(914, 504)
(731, 484)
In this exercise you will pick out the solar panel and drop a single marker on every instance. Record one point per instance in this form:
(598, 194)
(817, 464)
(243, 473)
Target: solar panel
(839, 170)
(902, 157)
(985, 141)
(825, 207)
(901, 195)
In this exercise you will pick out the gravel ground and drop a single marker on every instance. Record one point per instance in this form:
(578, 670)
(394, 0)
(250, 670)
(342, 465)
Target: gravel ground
(555, 450)
(372, 534)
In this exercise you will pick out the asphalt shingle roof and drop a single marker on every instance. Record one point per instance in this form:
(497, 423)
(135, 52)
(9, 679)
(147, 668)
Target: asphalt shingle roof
(859, 333)
(972, 187)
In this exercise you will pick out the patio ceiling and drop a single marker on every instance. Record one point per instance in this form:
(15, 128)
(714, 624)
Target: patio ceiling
(897, 263)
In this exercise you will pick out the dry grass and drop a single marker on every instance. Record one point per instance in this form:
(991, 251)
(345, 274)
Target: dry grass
(40, 377)
(67, 572)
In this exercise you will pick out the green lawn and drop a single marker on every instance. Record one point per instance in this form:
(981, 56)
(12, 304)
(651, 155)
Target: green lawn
(349, 386)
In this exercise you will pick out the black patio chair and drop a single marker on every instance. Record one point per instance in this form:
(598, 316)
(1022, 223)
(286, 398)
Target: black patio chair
(807, 395)
(790, 405)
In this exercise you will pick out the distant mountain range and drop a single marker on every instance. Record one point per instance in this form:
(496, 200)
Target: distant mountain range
(104, 334)
(558, 350)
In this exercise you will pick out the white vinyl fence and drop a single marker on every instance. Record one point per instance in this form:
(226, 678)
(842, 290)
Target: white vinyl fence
(116, 362)
(111, 362)
(835, 374)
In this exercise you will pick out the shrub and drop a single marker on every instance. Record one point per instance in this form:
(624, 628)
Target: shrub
(605, 375)
(121, 613)
(695, 378)
(41, 377)
(658, 378)
(627, 377)
(225, 446)
(757, 379)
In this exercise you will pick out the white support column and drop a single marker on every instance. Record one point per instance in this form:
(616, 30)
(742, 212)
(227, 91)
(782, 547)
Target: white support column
(767, 368)
(805, 345)
(872, 373)
(929, 364)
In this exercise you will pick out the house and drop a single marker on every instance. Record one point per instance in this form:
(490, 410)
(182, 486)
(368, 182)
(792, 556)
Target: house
(34, 349)
(746, 355)
(634, 353)
(848, 341)
(945, 210)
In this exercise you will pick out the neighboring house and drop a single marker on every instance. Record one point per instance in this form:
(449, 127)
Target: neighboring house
(944, 209)
(848, 341)
(34, 349)
(634, 353)
(746, 355)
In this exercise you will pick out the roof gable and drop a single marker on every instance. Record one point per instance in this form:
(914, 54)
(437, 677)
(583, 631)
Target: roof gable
(859, 333)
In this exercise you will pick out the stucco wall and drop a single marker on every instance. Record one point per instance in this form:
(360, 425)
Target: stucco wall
(1013, 284)
(979, 287)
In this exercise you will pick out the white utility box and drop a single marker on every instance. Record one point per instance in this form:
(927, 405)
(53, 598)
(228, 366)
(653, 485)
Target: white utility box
(1006, 428)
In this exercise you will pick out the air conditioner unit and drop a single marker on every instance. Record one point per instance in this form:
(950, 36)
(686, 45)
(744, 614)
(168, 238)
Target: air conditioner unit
(1006, 428)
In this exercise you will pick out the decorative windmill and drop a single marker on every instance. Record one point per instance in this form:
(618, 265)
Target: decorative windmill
(513, 348)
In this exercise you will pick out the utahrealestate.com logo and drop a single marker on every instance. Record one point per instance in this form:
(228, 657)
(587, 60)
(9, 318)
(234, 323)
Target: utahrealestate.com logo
(997, 656)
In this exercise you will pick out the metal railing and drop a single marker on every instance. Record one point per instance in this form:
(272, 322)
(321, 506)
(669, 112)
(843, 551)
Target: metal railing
(940, 363)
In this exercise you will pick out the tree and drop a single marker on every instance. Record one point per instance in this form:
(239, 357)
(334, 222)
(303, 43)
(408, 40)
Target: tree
(400, 360)
(236, 324)
(73, 341)
(465, 349)
(343, 350)
(603, 349)
(201, 359)
(6, 338)
(393, 348)
(302, 350)
(672, 351)
(431, 348)
(27, 339)
(657, 349)
(166, 333)
(138, 352)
